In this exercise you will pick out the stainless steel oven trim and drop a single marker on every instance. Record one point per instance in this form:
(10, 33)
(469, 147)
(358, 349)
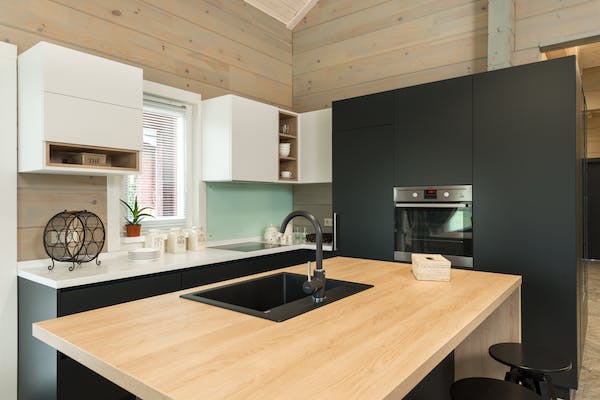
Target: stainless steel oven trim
(433, 205)
(335, 231)
(457, 193)
(455, 261)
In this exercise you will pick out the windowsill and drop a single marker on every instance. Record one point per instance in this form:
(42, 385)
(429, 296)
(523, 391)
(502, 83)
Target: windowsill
(135, 239)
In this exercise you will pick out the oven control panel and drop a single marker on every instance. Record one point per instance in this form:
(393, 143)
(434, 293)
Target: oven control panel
(433, 194)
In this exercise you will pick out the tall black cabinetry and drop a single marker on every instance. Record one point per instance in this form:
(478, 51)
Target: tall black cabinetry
(527, 149)
(363, 176)
(434, 134)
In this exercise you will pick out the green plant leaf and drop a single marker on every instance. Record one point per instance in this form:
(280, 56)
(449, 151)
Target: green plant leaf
(137, 213)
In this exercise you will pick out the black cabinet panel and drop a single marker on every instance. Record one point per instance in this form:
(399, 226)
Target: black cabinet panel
(436, 385)
(359, 112)
(76, 382)
(220, 272)
(525, 195)
(107, 294)
(435, 134)
(363, 163)
(593, 211)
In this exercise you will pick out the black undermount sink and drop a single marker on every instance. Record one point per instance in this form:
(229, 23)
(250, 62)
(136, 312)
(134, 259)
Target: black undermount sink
(275, 297)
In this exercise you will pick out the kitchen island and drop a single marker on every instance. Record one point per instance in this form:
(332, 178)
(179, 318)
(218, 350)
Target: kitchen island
(376, 344)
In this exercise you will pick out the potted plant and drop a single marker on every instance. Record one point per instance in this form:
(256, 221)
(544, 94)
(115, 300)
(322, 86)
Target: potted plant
(133, 226)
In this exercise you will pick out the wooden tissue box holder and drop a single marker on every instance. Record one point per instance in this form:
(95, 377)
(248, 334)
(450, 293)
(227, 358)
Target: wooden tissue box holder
(430, 267)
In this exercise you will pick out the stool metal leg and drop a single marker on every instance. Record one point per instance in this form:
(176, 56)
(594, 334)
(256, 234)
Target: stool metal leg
(540, 384)
(512, 376)
(546, 388)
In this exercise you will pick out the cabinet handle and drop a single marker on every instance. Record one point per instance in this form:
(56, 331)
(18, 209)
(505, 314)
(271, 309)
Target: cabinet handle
(335, 231)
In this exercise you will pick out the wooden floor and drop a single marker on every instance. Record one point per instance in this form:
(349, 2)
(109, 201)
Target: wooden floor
(590, 374)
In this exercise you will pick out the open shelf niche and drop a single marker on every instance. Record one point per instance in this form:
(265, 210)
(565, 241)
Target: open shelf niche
(288, 133)
(76, 156)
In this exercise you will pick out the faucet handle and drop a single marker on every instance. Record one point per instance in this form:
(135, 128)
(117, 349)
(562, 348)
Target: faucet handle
(308, 269)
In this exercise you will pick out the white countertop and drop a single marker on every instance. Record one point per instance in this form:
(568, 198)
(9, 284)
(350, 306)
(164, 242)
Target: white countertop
(116, 265)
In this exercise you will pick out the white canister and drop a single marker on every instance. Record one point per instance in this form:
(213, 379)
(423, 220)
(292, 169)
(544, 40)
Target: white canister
(192, 239)
(271, 234)
(172, 241)
(176, 241)
(180, 244)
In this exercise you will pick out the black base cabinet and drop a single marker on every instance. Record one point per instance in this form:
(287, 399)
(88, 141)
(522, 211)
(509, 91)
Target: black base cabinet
(527, 149)
(46, 374)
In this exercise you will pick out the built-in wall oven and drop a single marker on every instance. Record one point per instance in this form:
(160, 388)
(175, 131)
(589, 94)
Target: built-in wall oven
(435, 220)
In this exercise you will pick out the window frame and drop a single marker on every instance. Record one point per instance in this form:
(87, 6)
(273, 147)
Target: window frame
(195, 191)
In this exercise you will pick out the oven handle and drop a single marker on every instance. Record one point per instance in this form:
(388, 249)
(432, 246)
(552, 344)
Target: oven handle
(433, 205)
(334, 231)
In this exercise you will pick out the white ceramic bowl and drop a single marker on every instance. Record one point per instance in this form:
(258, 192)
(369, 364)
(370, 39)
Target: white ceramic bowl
(286, 174)
(284, 152)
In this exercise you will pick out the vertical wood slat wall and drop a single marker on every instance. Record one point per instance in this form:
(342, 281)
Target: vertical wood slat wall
(345, 48)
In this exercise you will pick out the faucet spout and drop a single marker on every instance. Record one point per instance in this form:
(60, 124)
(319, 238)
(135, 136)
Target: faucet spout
(316, 285)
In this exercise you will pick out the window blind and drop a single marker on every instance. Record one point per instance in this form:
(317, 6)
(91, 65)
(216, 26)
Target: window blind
(161, 182)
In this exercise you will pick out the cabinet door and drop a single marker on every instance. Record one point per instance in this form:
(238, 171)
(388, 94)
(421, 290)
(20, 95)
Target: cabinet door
(85, 298)
(315, 146)
(360, 112)
(593, 209)
(525, 195)
(435, 133)
(234, 269)
(76, 382)
(254, 145)
(363, 162)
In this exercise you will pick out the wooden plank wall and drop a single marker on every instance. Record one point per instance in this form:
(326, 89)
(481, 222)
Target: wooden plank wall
(591, 87)
(347, 48)
(593, 134)
(539, 21)
(212, 47)
(40, 196)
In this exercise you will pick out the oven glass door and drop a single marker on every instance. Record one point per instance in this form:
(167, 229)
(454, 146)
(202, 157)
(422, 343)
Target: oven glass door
(443, 228)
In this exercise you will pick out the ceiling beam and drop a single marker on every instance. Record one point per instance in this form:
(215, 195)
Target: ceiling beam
(301, 13)
(501, 33)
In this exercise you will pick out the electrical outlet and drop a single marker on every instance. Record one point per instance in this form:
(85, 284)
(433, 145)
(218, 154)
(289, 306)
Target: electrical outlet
(328, 221)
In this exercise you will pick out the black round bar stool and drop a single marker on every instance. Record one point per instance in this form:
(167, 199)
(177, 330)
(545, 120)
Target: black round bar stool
(530, 366)
(489, 389)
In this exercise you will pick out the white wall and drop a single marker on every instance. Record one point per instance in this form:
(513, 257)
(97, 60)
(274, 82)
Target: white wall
(8, 219)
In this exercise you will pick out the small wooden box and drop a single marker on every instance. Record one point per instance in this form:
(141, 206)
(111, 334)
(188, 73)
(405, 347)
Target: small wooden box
(430, 267)
(88, 159)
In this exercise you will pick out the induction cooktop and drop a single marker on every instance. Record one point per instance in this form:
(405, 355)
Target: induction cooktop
(247, 246)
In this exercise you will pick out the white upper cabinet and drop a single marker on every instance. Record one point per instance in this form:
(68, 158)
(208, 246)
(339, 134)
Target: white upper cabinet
(315, 146)
(239, 140)
(73, 105)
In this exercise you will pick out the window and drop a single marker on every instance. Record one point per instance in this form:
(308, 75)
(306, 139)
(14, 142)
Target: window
(163, 181)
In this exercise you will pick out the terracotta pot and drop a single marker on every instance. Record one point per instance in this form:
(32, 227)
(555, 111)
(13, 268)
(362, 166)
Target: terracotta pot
(133, 230)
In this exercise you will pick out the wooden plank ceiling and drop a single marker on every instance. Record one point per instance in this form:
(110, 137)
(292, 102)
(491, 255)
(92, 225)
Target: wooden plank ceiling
(290, 12)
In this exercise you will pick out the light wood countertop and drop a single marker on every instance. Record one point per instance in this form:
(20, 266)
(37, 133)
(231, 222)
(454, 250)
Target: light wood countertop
(376, 344)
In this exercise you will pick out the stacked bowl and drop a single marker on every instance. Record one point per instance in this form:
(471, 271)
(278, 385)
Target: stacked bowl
(284, 149)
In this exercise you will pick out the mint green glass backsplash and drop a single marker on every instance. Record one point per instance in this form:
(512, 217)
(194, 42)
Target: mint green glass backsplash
(240, 210)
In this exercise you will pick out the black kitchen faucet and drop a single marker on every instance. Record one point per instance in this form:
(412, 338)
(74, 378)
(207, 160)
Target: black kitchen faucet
(315, 285)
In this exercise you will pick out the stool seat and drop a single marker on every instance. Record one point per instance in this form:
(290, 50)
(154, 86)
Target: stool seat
(531, 358)
(489, 389)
